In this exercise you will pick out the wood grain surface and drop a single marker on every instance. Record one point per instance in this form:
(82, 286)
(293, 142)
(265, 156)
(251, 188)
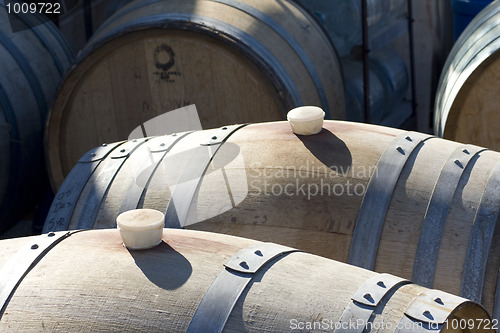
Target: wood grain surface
(90, 282)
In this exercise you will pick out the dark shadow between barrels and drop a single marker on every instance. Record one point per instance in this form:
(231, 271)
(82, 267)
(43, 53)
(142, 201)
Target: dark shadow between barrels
(163, 266)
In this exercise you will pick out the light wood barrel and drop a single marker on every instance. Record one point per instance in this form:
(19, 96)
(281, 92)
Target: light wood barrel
(203, 282)
(237, 61)
(466, 106)
(401, 202)
(32, 64)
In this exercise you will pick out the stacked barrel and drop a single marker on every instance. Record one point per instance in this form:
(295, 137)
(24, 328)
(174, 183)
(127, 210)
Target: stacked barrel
(404, 203)
(357, 228)
(33, 63)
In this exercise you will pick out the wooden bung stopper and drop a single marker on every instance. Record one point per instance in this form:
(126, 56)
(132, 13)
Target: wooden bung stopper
(141, 228)
(306, 120)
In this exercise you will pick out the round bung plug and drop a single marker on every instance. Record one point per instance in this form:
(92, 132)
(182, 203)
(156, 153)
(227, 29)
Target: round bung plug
(306, 120)
(141, 228)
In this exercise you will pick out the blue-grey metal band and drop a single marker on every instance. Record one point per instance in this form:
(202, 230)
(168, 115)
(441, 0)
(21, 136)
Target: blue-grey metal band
(65, 200)
(100, 182)
(268, 20)
(481, 238)
(24, 65)
(184, 193)
(16, 268)
(220, 28)
(119, 15)
(429, 311)
(371, 216)
(161, 145)
(437, 212)
(365, 301)
(221, 297)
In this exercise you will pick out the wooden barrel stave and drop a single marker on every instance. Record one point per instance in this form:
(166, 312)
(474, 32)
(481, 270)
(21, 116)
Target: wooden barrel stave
(139, 290)
(325, 224)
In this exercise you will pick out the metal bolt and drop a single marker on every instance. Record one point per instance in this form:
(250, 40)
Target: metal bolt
(428, 314)
(122, 151)
(259, 253)
(92, 154)
(135, 140)
(400, 150)
(214, 138)
(369, 298)
(51, 234)
(244, 265)
(175, 134)
(224, 128)
(162, 145)
(466, 151)
(381, 284)
(409, 138)
(104, 144)
(439, 301)
(457, 162)
(34, 246)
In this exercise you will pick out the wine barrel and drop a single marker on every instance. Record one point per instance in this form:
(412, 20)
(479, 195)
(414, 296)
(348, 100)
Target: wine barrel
(203, 282)
(33, 62)
(467, 99)
(237, 61)
(400, 202)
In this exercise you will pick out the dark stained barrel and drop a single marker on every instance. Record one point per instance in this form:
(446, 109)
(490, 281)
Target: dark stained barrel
(401, 202)
(237, 61)
(204, 282)
(32, 64)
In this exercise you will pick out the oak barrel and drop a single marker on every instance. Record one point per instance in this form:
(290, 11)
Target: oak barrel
(237, 61)
(466, 106)
(32, 64)
(203, 282)
(400, 202)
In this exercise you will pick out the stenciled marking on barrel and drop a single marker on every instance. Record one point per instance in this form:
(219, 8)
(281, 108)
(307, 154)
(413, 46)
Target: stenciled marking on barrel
(164, 60)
